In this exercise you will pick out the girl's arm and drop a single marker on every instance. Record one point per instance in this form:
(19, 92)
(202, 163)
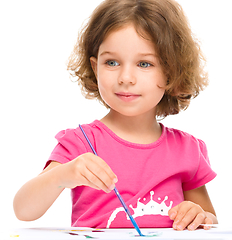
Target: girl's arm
(195, 210)
(37, 195)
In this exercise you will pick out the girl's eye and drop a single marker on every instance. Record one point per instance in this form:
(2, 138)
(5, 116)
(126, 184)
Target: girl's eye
(112, 63)
(144, 64)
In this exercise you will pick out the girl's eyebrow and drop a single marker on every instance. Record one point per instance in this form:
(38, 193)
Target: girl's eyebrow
(107, 52)
(139, 54)
(147, 54)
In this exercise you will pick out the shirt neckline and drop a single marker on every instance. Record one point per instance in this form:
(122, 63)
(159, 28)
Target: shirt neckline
(130, 144)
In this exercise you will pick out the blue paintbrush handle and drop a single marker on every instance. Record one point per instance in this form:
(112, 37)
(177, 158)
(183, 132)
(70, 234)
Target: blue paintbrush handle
(128, 212)
(116, 191)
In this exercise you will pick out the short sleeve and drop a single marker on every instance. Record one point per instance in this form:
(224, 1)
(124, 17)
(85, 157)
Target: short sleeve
(69, 147)
(204, 172)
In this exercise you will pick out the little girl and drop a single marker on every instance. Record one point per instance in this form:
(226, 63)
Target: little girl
(139, 59)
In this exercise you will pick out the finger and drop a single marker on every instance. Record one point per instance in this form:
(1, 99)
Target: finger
(188, 219)
(101, 170)
(172, 213)
(90, 171)
(100, 178)
(93, 179)
(200, 218)
(208, 221)
(183, 208)
(84, 181)
(102, 164)
(106, 167)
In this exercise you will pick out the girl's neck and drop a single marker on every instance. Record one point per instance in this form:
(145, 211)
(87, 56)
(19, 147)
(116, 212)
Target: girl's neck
(142, 129)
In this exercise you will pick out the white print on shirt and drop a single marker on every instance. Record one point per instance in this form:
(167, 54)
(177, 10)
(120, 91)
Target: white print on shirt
(151, 208)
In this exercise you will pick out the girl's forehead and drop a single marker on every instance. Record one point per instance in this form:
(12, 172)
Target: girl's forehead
(124, 39)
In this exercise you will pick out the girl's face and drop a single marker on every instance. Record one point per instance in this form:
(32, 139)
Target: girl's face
(130, 78)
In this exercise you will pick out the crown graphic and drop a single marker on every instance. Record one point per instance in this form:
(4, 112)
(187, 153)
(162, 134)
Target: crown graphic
(151, 208)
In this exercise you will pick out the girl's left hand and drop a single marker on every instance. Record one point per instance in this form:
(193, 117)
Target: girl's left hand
(189, 215)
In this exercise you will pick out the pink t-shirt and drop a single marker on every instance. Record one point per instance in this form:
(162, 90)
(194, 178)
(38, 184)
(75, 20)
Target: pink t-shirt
(152, 177)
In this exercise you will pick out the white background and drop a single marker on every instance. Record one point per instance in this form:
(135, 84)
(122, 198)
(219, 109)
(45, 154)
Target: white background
(38, 99)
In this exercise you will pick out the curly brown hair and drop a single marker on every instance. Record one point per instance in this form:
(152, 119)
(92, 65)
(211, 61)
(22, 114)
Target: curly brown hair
(166, 25)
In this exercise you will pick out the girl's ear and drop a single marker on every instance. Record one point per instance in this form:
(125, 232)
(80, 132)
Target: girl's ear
(93, 62)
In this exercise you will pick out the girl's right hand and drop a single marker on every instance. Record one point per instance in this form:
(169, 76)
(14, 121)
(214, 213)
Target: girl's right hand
(88, 170)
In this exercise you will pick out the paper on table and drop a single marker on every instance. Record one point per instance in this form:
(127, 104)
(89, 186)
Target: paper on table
(114, 234)
(81, 233)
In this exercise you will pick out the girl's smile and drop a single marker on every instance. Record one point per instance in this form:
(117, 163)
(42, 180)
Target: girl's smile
(126, 96)
(130, 77)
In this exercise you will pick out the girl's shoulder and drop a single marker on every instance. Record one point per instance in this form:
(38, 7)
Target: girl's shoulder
(180, 135)
(184, 139)
(73, 133)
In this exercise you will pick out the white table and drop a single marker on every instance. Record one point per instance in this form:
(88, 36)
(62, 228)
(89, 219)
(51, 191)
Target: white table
(219, 233)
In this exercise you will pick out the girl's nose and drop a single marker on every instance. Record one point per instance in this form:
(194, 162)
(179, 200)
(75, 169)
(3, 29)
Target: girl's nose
(127, 76)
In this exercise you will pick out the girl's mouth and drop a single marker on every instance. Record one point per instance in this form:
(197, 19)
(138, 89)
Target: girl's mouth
(126, 96)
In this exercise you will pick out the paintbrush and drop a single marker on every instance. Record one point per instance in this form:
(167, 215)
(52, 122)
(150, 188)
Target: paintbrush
(116, 191)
